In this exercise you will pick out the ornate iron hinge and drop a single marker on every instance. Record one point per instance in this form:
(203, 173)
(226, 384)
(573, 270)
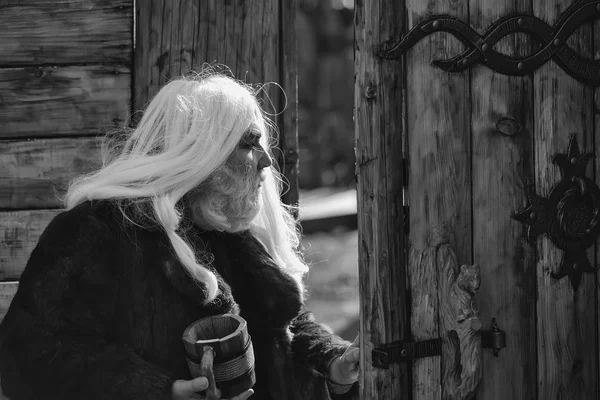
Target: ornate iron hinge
(479, 48)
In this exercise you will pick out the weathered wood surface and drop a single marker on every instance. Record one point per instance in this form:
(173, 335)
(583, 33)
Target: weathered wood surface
(439, 183)
(379, 131)
(253, 38)
(76, 100)
(19, 234)
(42, 32)
(34, 173)
(7, 292)
(567, 336)
(502, 167)
(288, 155)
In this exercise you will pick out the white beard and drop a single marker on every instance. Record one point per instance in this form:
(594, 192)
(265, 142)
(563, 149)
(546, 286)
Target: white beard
(229, 199)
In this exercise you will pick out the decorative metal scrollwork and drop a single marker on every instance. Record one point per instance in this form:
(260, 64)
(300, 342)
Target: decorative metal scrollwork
(480, 47)
(570, 216)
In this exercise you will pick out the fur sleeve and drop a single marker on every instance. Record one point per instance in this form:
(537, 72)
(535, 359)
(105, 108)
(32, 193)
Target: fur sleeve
(313, 344)
(55, 341)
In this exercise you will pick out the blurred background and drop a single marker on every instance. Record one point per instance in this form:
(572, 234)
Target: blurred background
(325, 36)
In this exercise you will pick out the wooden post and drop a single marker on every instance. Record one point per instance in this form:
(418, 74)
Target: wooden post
(379, 171)
(255, 39)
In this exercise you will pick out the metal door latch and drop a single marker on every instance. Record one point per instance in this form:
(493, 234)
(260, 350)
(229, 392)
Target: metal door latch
(398, 351)
(494, 339)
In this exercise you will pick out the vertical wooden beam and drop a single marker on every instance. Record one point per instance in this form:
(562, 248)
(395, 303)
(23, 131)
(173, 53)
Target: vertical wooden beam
(440, 177)
(502, 167)
(567, 338)
(379, 131)
(255, 39)
(288, 120)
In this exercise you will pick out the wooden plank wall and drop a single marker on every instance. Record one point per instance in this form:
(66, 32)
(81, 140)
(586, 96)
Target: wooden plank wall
(65, 77)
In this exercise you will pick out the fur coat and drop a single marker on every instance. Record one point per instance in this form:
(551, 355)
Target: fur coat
(102, 305)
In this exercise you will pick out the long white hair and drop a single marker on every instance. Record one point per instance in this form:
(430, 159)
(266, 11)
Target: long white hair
(188, 130)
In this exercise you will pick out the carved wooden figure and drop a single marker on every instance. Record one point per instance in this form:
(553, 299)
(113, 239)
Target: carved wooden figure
(460, 326)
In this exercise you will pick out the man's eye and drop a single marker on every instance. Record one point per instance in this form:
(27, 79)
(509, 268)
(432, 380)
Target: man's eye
(248, 145)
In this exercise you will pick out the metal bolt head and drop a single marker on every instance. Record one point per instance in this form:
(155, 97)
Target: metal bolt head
(520, 65)
(532, 215)
(436, 24)
(38, 73)
(520, 21)
(575, 266)
(556, 42)
(403, 352)
(485, 47)
(573, 160)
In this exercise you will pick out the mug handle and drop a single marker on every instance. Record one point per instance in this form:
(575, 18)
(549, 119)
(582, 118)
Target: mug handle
(206, 370)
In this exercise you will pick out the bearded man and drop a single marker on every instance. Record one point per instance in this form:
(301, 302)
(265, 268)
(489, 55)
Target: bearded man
(183, 221)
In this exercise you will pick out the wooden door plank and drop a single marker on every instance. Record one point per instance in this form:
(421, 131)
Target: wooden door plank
(33, 173)
(567, 337)
(19, 234)
(502, 167)
(439, 183)
(379, 130)
(77, 100)
(66, 32)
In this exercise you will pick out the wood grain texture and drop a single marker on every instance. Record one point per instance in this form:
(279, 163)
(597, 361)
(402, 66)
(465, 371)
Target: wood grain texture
(382, 243)
(49, 101)
(19, 234)
(439, 183)
(288, 159)
(65, 32)
(7, 292)
(33, 173)
(567, 334)
(254, 40)
(502, 167)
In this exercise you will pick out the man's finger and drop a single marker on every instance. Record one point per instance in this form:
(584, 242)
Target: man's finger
(190, 387)
(351, 356)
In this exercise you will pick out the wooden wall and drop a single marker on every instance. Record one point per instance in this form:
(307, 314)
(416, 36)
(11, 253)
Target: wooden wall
(69, 70)
(65, 74)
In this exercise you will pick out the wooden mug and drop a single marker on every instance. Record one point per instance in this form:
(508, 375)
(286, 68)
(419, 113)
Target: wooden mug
(219, 348)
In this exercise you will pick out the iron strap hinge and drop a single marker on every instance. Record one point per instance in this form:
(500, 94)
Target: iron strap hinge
(398, 351)
(405, 173)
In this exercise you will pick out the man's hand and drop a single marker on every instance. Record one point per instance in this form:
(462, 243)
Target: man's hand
(344, 369)
(184, 390)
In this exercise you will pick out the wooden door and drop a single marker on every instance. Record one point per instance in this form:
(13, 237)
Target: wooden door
(475, 137)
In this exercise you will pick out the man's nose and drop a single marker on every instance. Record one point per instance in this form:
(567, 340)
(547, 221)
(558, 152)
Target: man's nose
(265, 160)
